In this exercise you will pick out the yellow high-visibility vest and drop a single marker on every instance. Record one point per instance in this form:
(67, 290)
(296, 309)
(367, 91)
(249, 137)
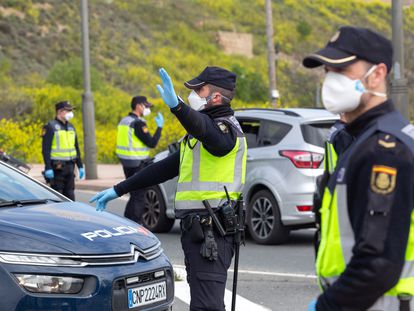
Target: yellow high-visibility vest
(128, 146)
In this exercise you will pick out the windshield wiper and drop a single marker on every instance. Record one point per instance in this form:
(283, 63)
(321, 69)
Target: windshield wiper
(27, 202)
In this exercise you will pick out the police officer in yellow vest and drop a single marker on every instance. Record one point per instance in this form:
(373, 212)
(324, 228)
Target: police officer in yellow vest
(212, 155)
(61, 152)
(366, 255)
(133, 149)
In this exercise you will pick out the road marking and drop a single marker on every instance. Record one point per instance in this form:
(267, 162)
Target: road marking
(182, 292)
(254, 272)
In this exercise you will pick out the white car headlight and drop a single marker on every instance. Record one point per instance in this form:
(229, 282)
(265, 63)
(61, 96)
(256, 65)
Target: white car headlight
(37, 260)
(50, 284)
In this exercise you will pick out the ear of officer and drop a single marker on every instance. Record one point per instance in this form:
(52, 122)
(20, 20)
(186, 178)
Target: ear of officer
(370, 193)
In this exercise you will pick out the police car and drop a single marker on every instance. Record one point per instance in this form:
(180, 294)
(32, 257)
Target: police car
(56, 254)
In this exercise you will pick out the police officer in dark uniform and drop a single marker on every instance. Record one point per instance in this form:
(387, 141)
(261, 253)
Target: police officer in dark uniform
(61, 152)
(133, 149)
(366, 256)
(212, 155)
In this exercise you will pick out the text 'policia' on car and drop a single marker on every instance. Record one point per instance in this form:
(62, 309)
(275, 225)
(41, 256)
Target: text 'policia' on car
(57, 254)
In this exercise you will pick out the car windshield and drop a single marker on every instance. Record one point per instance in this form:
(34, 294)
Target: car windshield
(16, 187)
(316, 133)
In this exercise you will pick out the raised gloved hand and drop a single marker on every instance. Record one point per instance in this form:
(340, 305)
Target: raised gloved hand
(167, 90)
(103, 197)
(49, 174)
(312, 305)
(159, 119)
(209, 247)
(81, 173)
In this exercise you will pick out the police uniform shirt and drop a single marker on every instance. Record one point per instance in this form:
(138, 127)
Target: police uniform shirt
(218, 138)
(380, 198)
(47, 138)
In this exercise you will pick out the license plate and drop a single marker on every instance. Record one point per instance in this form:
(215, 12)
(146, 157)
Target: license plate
(144, 295)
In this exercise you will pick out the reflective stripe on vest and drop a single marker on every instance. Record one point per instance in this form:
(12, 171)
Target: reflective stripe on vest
(337, 237)
(63, 143)
(330, 158)
(128, 146)
(203, 176)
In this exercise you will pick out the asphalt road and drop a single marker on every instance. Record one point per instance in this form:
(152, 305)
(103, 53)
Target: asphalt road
(275, 277)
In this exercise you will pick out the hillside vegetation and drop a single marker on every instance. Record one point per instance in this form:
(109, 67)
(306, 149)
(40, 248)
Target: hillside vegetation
(40, 50)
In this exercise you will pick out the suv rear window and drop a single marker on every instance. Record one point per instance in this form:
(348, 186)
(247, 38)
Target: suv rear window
(273, 132)
(251, 131)
(316, 133)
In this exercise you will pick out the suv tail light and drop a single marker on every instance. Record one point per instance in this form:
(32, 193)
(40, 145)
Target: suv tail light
(303, 159)
(304, 208)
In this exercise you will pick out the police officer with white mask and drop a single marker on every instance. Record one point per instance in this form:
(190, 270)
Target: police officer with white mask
(365, 259)
(212, 155)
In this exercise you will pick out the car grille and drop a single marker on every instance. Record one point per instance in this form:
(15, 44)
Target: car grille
(131, 257)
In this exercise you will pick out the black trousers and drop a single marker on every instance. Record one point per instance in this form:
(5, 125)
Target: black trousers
(64, 180)
(136, 204)
(207, 279)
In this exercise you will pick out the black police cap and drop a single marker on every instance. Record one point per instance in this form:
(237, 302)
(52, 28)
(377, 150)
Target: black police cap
(64, 105)
(350, 44)
(213, 75)
(140, 100)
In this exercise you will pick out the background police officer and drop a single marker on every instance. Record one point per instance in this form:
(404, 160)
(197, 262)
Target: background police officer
(211, 156)
(366, 256)
(133, 144)
(61, 151)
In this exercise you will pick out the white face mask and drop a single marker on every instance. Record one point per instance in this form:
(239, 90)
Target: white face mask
(69, 115)
(196, 102)
(342, 94)
(146, 111)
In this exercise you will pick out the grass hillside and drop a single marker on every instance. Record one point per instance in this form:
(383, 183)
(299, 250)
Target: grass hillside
(40, 50)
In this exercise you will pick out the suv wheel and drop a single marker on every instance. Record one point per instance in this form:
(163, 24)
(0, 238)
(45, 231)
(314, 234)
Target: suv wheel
(263, 219)
(154, 217)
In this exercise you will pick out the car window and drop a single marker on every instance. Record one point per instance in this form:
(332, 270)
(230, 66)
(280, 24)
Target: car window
(272, 132)
(251, 131)
(316, 133)
(15, 186)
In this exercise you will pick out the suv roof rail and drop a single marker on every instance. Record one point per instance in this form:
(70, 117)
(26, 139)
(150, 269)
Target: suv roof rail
(286, 112)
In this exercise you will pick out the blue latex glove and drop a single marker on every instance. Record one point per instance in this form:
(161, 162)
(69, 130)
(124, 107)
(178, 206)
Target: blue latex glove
(167, 90)
(312, 305)
(81, 173)
(159, 119)
(103, 197)
(49, 174)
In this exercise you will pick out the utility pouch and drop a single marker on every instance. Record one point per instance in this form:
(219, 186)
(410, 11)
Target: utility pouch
(196, 231)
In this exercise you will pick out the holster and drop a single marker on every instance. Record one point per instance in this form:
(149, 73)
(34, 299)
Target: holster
(191, 225)
(58, 165)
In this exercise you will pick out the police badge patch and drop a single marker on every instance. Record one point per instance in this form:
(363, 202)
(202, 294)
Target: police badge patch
(383, 179)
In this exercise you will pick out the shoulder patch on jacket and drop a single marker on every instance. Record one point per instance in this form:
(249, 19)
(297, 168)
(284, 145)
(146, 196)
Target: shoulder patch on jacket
(223, 127)
(145, 129)
(383, 179)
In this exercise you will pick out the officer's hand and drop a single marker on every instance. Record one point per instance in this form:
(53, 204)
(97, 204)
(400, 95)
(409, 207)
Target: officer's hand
(312, 305)
(81, 173)
(103, 197)
(167, 90)
(49, 174)
(159, 119)
(209, 246)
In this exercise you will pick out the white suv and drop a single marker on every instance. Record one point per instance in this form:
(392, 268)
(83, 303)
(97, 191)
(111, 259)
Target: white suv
(285, 155)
